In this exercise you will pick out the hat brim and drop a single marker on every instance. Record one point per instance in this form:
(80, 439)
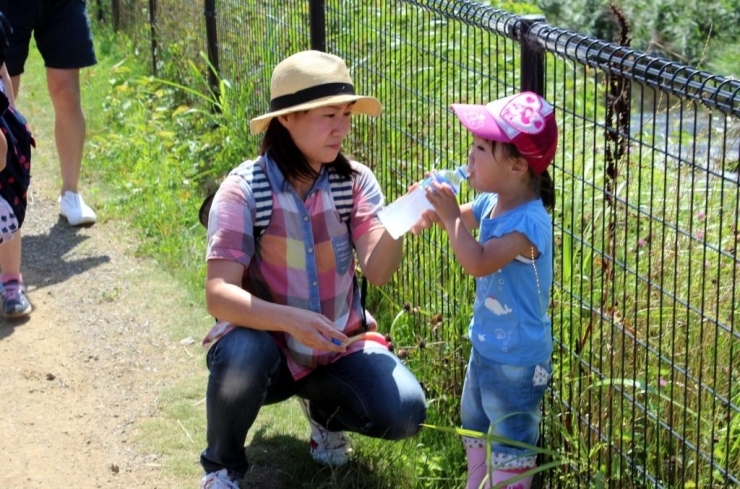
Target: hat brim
(362, 105)
(479, 121)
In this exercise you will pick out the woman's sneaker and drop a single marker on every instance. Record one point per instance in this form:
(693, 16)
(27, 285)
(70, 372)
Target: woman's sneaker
(218, 480)
(15, 302)
(330, 448)
(74, 209)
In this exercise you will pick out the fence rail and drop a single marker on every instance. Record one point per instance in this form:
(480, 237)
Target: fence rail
(646, 390)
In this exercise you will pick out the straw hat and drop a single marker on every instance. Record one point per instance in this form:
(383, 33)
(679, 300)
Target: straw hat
(308, 80)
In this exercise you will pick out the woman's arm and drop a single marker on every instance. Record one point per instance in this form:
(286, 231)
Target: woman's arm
(379, 255)
(227, 301)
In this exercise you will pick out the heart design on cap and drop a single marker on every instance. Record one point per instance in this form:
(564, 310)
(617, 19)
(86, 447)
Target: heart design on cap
(474, 119)
(524, 113)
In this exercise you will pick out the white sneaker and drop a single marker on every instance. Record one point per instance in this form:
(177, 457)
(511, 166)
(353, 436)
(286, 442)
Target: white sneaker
(330, 448)
(218, 480)
(75, 210)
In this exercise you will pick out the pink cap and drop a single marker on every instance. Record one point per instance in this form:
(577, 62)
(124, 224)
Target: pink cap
(526, 120)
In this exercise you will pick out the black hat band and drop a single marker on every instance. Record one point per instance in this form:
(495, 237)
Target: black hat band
(309, 94)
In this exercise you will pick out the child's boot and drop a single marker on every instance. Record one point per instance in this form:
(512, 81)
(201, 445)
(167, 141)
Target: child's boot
(506, 466)
(501, 476)
(475, 451)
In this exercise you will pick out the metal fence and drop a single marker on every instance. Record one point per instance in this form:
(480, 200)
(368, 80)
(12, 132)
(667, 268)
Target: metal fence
(646, 389)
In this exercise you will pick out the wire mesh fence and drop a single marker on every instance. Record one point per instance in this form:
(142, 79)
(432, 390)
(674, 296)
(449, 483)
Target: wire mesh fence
(645, 300)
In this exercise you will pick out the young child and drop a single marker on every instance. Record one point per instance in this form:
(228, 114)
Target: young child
(514, 141)
(16, 141)
(15, 164)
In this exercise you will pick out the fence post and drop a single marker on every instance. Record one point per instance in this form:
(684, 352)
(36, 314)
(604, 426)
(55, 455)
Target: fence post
(116, 14)
(153, 30)
(212, 40)
(532, 71)
(317, 23)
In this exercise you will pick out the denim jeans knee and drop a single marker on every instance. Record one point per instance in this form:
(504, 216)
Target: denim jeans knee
(369, 392)
(246, 367)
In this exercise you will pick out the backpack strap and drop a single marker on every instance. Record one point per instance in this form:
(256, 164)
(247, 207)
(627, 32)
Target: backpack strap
(255, 175)
(262, 198)
(341, 192)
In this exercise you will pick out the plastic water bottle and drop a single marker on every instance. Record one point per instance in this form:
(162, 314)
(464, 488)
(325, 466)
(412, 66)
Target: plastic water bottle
(404, 212)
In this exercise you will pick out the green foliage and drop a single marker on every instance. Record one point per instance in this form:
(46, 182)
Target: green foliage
(695, 33)
(191, 138)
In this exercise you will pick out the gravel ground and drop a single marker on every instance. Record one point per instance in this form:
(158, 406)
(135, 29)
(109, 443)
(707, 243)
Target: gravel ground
(82, 372)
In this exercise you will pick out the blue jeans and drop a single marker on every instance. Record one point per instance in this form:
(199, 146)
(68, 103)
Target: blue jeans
(369, 392)
(505, 398)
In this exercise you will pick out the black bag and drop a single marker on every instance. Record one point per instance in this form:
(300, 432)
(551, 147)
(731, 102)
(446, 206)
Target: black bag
(16, 176)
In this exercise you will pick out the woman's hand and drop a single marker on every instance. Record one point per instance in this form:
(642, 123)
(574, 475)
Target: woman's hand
(428, 219)
(314, 330)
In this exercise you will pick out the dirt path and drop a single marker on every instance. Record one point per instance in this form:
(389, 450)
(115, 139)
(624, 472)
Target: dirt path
(87, 366)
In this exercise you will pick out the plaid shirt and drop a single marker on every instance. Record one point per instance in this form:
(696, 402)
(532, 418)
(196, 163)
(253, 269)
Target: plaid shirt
(305, 256)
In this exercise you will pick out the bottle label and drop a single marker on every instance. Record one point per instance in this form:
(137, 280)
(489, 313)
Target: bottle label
(440, 177)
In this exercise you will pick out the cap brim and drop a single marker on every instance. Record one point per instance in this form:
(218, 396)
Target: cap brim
(479, 121)
(362, 105)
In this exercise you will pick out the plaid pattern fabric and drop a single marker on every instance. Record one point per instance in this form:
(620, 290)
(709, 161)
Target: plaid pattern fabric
(304, 258)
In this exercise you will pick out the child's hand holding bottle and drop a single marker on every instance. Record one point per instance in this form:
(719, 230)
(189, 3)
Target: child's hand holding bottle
(406, 212)
(444, 200)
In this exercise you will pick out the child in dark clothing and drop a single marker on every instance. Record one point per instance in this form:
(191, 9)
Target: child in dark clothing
(15, 174)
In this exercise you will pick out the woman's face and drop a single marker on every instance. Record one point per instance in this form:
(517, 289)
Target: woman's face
(319, 133)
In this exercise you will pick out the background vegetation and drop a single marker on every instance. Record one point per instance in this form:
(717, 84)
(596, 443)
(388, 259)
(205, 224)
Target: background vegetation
(703, 33)
(160, 146)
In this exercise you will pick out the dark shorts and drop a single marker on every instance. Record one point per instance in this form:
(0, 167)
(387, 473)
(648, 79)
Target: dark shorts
(61, 29)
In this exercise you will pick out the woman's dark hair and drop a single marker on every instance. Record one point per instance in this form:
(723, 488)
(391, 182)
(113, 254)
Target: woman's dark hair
(279, 145)
(542, 184)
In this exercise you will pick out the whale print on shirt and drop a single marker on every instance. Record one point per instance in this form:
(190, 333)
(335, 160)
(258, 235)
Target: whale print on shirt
(496, 307)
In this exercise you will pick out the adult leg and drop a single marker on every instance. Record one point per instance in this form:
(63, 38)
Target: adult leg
(69, 123)
(369, 392)
(69, 134)
(247, 371)
(15, 81)
(64, 39)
